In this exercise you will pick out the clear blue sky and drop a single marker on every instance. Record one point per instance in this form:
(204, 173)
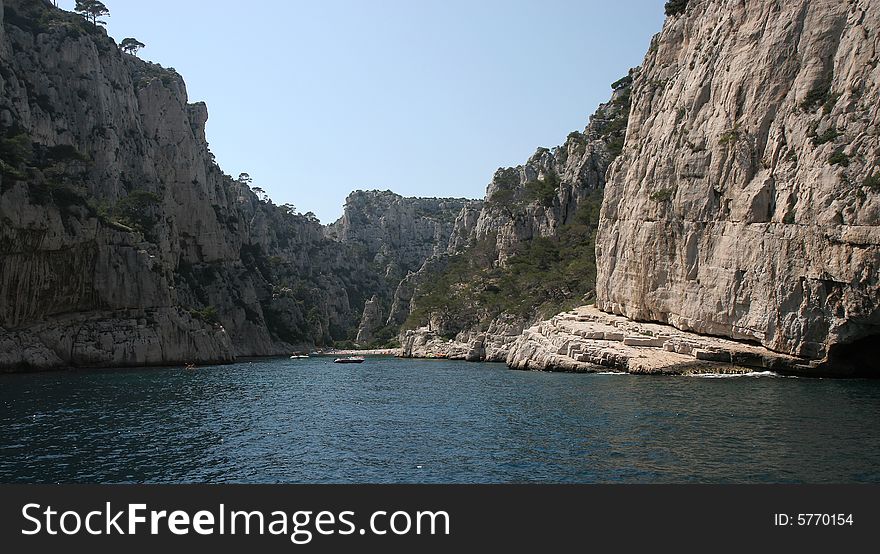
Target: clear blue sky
(424, 97)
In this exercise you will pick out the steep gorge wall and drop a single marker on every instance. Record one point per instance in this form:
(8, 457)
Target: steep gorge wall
(394, 235)
(526, 248)
(746, 201)
(397, 233)
(121, 240)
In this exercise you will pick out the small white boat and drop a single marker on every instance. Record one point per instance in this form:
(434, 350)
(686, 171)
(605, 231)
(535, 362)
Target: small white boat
(350, 360)
(299, 356)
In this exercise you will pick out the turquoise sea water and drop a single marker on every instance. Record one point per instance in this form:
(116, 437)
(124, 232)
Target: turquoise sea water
(412, 421)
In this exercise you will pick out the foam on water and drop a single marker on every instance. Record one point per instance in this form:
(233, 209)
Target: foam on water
(735, 375)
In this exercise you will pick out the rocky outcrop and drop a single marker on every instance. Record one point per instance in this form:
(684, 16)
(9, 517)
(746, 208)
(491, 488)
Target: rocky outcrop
(371, 321)
(746, 201)
(404, 300)
(588, 340)
(554, 197)
(492, 345)
(537, 198)
(121, 240)
(396, 233)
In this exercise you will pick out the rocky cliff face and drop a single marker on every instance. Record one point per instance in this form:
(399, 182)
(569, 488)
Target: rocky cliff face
(396, 233)
(395, 236)
(527, 250)
(371, 321)
(121, 241)
(746, 202)
(537, 198)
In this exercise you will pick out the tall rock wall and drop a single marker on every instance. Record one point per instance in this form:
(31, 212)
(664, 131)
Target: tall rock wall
(511, 257)
(397, 233)
(746, 202)
(121, 240)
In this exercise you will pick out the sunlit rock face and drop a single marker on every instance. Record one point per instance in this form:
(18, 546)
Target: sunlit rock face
(746, 201)
(398, 233)
(553, 189)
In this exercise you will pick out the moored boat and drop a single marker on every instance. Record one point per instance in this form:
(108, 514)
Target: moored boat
(350, 360)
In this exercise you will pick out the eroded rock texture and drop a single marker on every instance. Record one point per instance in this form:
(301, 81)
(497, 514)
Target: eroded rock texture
(588, 340)
(397, 233)
(121, 240)
(394, 236)
(544, 208)
(746, 202)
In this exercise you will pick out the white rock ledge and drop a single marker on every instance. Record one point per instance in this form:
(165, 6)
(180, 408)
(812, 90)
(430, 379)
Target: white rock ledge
(589, 340)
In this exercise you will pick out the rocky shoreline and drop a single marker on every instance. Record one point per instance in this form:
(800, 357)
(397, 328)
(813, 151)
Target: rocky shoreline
(491, 345)
(587, 340)
(354, 352)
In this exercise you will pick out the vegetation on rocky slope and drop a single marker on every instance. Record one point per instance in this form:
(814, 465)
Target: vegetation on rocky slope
(547, 275)
(154, 241)
(173, 233)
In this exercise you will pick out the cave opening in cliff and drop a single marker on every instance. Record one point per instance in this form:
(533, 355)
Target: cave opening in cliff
(858, 358)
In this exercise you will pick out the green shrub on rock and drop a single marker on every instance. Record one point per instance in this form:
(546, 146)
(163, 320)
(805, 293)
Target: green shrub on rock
(663, 195)
(676, 7)
(544, 276)
(138, 210)
(839, 158)
(208, 315)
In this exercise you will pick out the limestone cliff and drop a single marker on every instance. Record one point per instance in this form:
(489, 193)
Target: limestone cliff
(526, 253)
(121, 240)
(746, 201)
(395, 233)
(539, 197)
(371, 321)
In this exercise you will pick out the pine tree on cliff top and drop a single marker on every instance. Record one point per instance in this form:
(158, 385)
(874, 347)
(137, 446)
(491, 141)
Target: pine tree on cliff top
(92, 10)
(131, 46)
